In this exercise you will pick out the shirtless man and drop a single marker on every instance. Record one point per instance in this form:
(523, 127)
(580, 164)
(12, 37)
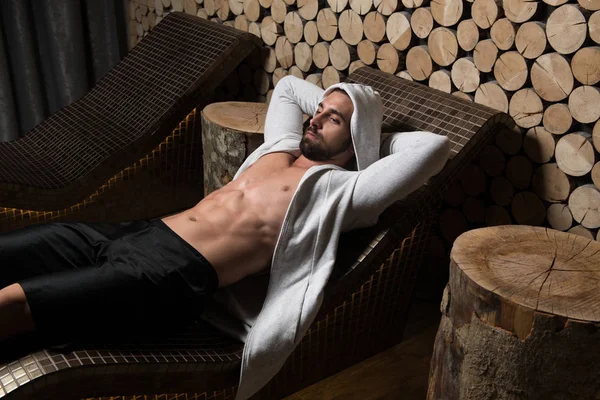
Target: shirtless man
(284, 211)
(236, 227)
(241, 221)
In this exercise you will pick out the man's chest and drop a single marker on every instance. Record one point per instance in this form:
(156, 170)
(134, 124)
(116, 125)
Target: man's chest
(271, 178)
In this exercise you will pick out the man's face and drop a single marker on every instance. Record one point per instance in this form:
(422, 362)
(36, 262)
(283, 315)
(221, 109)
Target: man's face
(328, 134)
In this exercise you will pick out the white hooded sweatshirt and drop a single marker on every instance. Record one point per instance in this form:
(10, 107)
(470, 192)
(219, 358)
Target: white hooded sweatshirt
(328, 201)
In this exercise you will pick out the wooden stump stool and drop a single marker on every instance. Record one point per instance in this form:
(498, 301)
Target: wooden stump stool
(230, 132)
(521, 317)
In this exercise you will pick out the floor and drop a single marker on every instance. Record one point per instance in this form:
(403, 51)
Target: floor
(400, 373)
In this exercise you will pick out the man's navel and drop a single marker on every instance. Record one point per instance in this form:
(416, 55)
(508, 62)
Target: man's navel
(192, 218)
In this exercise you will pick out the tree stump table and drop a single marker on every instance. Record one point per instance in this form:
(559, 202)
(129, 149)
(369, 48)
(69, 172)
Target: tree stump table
(520, 317)
(230, 132)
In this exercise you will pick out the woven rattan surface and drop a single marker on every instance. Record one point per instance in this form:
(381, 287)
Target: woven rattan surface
(366, 303)
(411, 106)
(126, 115)
(169, 176)
(197, 358)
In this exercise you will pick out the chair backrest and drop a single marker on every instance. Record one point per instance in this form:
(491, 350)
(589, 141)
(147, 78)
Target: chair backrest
(411, 106)
(127, 113)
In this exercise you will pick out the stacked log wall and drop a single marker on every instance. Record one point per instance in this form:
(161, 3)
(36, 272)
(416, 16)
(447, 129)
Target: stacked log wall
(538, 61)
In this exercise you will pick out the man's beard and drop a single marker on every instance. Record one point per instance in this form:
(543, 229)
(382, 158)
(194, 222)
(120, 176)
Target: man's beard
(317, 150)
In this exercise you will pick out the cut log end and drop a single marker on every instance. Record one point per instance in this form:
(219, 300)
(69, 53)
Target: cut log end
(500, 259)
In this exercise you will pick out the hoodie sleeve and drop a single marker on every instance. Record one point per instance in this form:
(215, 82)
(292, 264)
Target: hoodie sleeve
(415, 157)
(292, 97)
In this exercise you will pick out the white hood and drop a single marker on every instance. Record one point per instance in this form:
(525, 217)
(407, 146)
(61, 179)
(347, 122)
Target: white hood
(365, 125)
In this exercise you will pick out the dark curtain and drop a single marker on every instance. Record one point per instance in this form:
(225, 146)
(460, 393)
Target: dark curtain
(51, 53)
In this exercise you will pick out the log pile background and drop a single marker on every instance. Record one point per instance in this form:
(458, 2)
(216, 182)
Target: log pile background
(537, 60)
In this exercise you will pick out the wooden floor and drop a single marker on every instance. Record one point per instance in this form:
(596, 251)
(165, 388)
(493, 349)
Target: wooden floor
(399, 373)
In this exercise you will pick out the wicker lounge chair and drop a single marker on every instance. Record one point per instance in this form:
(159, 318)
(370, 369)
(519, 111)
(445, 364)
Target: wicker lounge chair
(92, 159)
(365, 305)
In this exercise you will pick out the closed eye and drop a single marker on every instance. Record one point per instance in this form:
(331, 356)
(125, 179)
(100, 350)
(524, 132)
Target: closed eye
(331, 114)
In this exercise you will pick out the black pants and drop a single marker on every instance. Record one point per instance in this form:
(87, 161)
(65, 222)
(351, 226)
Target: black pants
(95, 280)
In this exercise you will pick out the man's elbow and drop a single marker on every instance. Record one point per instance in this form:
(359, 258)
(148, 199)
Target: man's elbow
(439, 151)
(286, 83)
(444, 145)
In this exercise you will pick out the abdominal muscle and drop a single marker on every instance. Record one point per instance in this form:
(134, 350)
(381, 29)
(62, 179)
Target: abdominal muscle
(236, 227)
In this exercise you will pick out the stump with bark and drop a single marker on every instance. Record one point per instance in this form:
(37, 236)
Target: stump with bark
(230, 132)
(521, 317)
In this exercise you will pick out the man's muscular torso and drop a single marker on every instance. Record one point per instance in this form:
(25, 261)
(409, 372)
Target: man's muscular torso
(236, 227)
